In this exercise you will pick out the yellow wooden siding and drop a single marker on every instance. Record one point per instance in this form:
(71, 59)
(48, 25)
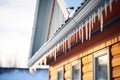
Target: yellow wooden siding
(67, 67)
(116, 60)
(115, 49)
(115, 52)
(116, 72)
(86, 59)
(67, 74)
(87, 68)
(87, 76)
(116, 78)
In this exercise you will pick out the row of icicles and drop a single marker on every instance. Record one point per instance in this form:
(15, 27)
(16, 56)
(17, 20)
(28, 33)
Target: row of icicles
(78, 33)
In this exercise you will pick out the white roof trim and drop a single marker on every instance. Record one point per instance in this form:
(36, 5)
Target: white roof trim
(63, 8)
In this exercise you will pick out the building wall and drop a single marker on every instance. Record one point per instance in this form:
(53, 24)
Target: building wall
(109, 37)
(87, 61)
(115, 53)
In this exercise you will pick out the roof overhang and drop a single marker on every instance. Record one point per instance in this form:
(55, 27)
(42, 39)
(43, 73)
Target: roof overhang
(80, 16)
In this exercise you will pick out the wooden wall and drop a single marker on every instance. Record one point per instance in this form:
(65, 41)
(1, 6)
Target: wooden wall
(110, 37)
(115, 52)
(86, 60)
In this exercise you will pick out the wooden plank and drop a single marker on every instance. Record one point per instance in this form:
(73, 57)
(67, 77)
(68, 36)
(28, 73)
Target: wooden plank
(118, 78)
(116, 72)
(53, 78)
(119, 38)
(87, 59)
(53, 72)
(67, 74)
(87, 68)
(116, 60)
(67, 79)
(115, 49)
(67, 67)
(73, 58)
(88, 76)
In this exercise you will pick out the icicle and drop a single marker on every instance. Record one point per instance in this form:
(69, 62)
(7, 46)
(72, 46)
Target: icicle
(65, 45)
(47, 53)
(79, 32)
(70, 41)
(72, 38)
(98, 14)
(105, 6)
(55, 53)
(58, 47)
(51, 51)
(82, 34)
(92, 22)
(86, 28)
(94, 15)
(110, 5)
(89, 28)
(101, 20)
(76, 34)
(45, 60)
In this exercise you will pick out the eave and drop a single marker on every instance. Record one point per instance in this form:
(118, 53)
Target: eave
(80, 16)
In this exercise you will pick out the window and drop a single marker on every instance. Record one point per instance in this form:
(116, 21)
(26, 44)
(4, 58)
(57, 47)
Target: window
(101, 65)
(76, 70)
(60, 74)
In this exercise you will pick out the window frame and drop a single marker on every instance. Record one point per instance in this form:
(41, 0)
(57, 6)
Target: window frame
(60, 69)
(78, 61)
(97, 54)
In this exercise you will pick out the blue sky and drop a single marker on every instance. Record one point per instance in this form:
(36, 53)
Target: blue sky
(73, 3)
(16, 22)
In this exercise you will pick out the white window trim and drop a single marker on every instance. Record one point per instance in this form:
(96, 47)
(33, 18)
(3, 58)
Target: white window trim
(99, 53)
(60, 69)
(75, 63)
